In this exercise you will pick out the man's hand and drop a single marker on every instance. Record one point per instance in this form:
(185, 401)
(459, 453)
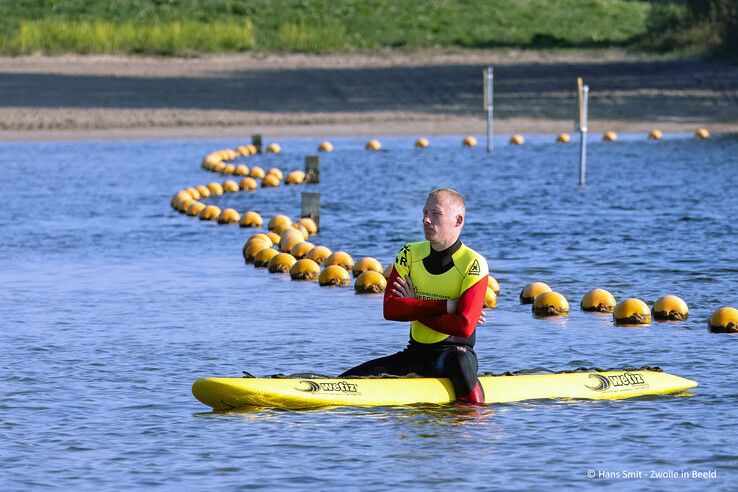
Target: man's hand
(403, 287)
(482, 318)
(451, 305)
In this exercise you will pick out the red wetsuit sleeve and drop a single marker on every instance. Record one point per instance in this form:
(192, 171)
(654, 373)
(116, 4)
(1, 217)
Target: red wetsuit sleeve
(405, 309)
(463, 322)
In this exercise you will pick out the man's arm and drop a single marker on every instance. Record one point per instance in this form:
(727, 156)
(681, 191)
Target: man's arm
(398, 308)
(463, 321)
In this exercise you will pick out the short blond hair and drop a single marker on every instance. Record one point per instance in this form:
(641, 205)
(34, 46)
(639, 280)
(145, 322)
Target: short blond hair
(456, 198)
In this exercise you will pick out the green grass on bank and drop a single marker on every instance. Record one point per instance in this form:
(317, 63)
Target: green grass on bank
(182, 27)
(317, 26)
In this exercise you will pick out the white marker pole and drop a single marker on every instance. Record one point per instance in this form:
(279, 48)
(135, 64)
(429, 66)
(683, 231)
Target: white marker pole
(583, 100)
(488, 77)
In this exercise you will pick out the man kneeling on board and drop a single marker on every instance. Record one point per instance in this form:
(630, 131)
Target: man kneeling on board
(438, 285)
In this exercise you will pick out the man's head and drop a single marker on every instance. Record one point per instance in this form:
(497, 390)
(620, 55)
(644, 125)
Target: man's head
(443, 217)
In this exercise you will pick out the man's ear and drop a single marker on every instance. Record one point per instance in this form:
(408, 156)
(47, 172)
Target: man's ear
(459, 220)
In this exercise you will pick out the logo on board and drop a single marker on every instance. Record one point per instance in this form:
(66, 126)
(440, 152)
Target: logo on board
(603, 383)
(475, 270)
(339, 387)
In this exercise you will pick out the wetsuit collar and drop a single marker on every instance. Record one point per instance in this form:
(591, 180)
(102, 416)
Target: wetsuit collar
(438, 262)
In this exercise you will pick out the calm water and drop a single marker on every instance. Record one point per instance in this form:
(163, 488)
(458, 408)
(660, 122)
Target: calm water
(113, 304)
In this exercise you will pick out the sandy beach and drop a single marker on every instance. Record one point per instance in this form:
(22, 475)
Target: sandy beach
(81, 97)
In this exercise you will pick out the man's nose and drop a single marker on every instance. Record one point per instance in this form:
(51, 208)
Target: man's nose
(426, 219)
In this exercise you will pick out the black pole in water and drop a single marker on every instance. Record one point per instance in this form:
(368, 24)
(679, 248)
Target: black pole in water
(256, 142)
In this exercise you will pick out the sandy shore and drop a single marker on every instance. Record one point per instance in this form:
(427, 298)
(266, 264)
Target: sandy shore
(77, 97)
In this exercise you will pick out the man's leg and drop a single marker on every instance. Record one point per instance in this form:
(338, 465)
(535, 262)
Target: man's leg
(460, 365)
(399, 364)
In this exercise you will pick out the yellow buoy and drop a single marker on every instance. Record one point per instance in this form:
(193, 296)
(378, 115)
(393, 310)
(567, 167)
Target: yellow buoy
(282, 227)
(242, 150)
(341, 258)
(598, 300)
(490, 298)
(278, 220)
(203, 190)
(215, 188)
(247, 184)
(261, 238)
(325, 147)
(281, 263)
(241, 170)
(288, 242)
(421, 143)
(250, 250)
(183, 205)
(493, 284)
(180, 196)
(609, 136)
(305, 269)
(251, 219)
(218, 167)
(194, 194)
(670, 308)
(309, 224)
(469, 141)
(276, 172)
(229, 169)
(273, 236)
(373, 144)
(211, 212)
(229, 216)
(263, 257)
(631, 312)
(270, 181)
(319, 254)
(517, 140)
(563, 138)
(301, 229)
(655, 135)
(301, 249)
(195, 208)
(530, 291)
(388, 271)
(252, 149)
(295, 178)
(274, 148)
(724, 320)
(366, 264)
(230, 186)
(702, 133)
(370, 282)
(257, 173)
(550, 304)
(334, 275)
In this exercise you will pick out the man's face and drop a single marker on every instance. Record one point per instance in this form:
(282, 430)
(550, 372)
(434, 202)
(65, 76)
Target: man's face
(441, 220)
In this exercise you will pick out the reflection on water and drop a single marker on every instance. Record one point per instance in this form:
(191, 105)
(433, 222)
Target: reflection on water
(113, 305)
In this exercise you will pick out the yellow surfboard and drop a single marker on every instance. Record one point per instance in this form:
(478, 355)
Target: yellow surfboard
(302, 393)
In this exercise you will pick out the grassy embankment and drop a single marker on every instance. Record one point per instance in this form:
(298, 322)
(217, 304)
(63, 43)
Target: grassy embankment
(184, 27)
(181, 27)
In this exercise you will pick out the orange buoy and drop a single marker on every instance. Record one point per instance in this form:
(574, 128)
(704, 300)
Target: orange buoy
(250, 250)
(341, 258)
(599, 301)
(532, 290)
(251, 219)
(305, 269)
(421, 143)
(517, 140)
(724, 320)
(247, 184)
(370, 282)
(229, 216)
(563, 138)
(319, 254)
(373, 144)
(211, 212)
(366, 264)
(262, 238)
(274, 148)
(334, 275)
(278, 220)
(230, 186)
(309, 224)
(295, 178)
(301, 249)
(702, 133)
(609, 136)
(195, 208)
(263, 257)
(670, 308)
(241, 170)
(229, 169)
(655, 135)
(256, 172)
(281, 263)
(215, 188)
(550, 304)
(631, 312)
(469, 141)
(325, 147)
(270, 181)
(203, 190)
